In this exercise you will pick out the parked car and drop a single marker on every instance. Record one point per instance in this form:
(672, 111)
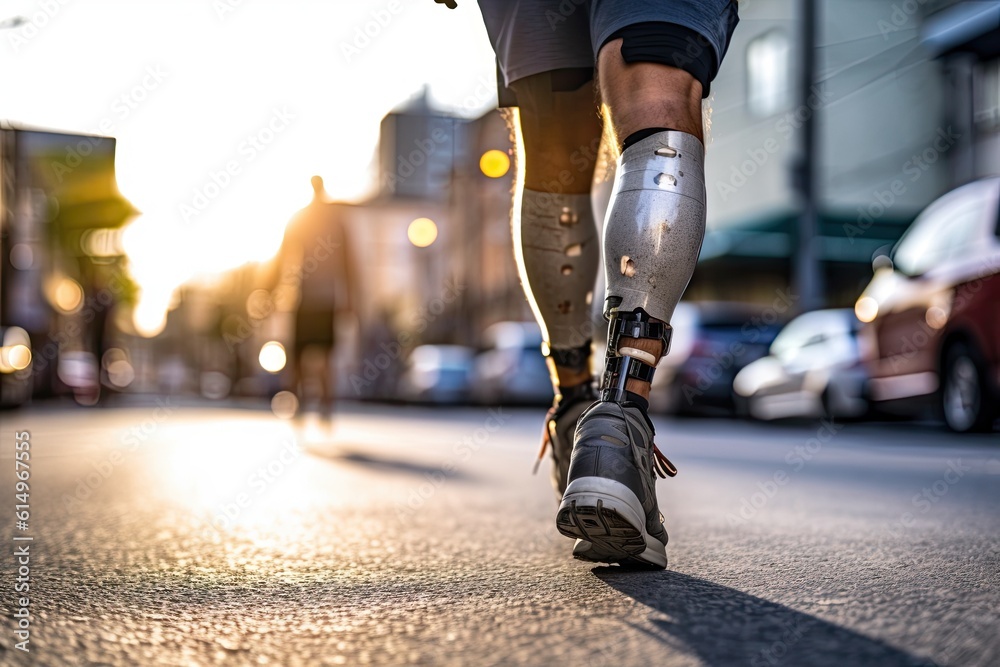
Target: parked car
(813, 369)
(512, 368)
(711, 343)
(438, 374)
(934, 311)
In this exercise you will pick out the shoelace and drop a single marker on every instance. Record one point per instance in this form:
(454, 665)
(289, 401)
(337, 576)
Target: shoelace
(661, 464)
(548, 426)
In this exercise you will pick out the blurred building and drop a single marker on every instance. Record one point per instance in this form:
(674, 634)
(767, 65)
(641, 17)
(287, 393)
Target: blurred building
(905, 104)
(965, 37)
(418, 148)
(62, 277)
(434, 244)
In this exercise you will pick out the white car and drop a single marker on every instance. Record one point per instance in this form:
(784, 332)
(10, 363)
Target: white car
(813, 369)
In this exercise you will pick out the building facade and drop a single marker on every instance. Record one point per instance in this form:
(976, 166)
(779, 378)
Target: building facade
(887, 143)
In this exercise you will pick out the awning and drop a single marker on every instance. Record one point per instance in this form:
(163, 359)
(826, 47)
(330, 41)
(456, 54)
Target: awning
(972, 27)
(76, 173)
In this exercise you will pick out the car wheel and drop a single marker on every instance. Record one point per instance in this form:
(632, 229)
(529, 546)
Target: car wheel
(964, 403)
(826, 402)
(741, 406)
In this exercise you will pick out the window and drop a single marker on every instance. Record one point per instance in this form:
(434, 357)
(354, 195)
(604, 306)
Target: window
(767, 73)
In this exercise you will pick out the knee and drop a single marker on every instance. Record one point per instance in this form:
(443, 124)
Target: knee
(641, 95)
(561, 132)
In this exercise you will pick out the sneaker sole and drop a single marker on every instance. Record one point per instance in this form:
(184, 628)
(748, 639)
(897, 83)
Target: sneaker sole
(606, 519)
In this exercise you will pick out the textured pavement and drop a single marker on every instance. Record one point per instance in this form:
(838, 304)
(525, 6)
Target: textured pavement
(191, 535)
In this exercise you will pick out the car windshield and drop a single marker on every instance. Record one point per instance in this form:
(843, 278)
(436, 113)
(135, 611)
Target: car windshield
(807, 329)
(942, 232)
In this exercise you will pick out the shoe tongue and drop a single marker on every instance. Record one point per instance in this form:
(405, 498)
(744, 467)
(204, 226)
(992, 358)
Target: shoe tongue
(637, 401)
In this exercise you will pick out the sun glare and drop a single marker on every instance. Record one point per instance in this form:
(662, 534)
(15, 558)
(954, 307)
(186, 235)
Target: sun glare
(217, 138)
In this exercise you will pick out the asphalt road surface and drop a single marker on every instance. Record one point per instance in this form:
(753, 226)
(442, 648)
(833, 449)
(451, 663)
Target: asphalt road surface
(187, 535)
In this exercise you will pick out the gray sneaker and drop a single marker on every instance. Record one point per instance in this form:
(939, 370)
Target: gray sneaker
(610, 502)
(559, 429)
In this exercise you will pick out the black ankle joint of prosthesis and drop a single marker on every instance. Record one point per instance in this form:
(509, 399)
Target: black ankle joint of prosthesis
(619, 366)
(637, 324)
(574, 358)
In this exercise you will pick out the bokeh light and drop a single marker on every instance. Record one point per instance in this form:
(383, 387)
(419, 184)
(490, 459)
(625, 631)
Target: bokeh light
(272, 356)
(119, 369)
(15, 354)
(22, 257)
(67, 295)
(284, 405)
(15, 357)
(19, 357)
(149, 318)
(866, 309)
(494, 163)
(936, 317)
(422, 232)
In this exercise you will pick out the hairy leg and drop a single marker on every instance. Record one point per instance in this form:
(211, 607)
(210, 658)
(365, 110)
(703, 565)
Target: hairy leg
(636, 96)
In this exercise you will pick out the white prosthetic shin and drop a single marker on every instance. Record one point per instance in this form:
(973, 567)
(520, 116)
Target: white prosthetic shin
(652, 238)
(556, 245)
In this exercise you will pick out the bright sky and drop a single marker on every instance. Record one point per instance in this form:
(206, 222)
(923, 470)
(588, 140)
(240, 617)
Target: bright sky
(223, 109)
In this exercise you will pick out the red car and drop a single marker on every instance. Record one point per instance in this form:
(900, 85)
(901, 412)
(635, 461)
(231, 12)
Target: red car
(933, 309)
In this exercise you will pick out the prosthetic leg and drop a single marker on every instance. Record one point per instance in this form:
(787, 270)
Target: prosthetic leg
(556, 241)
(556, 246)
(652, 239)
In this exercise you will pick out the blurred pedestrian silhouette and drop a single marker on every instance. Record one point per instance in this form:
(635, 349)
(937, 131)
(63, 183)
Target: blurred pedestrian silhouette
(315, 257)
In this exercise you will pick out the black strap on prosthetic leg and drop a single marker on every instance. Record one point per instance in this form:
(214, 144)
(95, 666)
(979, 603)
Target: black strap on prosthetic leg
(618, 367)
(573, 358)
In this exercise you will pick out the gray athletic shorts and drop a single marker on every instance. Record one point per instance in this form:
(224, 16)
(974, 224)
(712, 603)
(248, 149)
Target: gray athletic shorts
(535, 36)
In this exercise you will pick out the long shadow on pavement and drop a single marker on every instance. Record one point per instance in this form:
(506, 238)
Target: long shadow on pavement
(724, 626)
(392, 464)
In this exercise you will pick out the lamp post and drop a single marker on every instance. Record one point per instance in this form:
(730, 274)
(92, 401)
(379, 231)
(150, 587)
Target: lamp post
(808, 277)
